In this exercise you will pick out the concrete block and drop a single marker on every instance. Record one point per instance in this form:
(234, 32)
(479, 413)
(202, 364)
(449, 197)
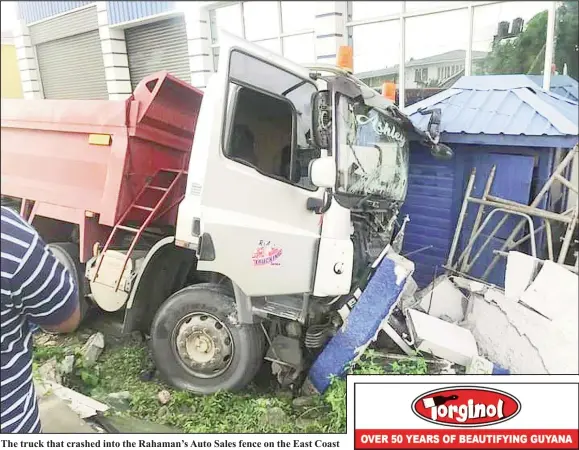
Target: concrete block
(330, 7)
(520, 340)
(27, 64)
(330, 25)
(440, 338)
(30, 86)
(475, 287)
(115, 60)
(25, 52)
(553, 292)
(119, 96)
(117, 73)
(479, 366)
(28, 75)
(200, 62)
(200, 79)
(197, 24)
(22, 41)
(521, 270)
(110, 46)
(102, 18)
(119, 87)
(105, 32)
(33, 95)
(444, 300)
(198, 46)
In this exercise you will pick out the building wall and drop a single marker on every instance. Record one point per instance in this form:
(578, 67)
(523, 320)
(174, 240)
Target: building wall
(30, 12)
(10, 78)
(382, 33)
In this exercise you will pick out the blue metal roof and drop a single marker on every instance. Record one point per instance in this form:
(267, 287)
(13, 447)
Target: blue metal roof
(562, 85)
(501, 106)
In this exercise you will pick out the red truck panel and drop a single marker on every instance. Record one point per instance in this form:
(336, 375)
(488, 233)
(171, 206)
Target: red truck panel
(46, 156)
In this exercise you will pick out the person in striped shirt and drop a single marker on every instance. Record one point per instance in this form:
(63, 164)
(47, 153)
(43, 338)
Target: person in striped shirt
(37, 292)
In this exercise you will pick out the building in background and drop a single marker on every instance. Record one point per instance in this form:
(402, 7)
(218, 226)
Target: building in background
(71, 49)
(10, 79)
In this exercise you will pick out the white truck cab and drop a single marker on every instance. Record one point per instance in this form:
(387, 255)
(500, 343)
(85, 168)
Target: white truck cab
(295, 180)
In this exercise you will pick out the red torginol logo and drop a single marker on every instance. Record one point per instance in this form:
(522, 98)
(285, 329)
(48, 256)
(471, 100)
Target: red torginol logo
(466, 407)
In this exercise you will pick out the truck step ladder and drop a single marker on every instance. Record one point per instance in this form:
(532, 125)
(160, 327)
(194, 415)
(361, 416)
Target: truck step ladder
(154, 211)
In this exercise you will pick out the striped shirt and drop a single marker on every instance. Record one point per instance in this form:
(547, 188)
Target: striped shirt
(37, 291)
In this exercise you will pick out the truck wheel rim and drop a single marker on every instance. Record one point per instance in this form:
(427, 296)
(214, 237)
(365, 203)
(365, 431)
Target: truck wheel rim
(203, 345)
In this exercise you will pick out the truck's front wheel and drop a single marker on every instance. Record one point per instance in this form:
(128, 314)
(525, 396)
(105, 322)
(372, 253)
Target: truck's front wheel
(198, 345)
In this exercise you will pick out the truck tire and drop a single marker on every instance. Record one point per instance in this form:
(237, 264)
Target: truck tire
(68, 255)
(197, 344)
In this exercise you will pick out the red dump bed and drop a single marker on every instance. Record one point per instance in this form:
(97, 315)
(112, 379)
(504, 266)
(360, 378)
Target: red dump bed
(57, 153)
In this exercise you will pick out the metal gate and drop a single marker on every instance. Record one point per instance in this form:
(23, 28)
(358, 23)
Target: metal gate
(70, 60)
(158, 46)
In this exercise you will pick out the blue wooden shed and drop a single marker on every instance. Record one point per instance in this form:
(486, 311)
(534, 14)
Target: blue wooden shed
(502, 120)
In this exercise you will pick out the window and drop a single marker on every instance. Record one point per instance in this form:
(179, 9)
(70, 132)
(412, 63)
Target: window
(374, 157)
(227, 18)
(270, 126)
(261, 20)
(270, 44)
(429, 5)
(285, 28)
(299, 48)
(417, 76)
(435, 38)
(298, 16)
(370, 10)
(376, 47)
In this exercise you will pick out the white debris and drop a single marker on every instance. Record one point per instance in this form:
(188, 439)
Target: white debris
(81, 404)
(520, 340)
(67, 365)
(440, 338)
(50, 371)
(93, 348)
(553, 293)
(480, 366)
(442, 299)
(470, 285)
(521, 270)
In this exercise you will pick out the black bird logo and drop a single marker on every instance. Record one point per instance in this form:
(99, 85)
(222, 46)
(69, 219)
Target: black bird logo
(438, 400)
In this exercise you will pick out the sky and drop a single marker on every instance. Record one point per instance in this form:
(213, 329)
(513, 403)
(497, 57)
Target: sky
(8, 15)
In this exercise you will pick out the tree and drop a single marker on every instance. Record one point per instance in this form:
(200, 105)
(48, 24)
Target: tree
(525, 53)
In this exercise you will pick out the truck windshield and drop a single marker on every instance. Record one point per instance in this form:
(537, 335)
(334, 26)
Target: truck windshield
(372, 155)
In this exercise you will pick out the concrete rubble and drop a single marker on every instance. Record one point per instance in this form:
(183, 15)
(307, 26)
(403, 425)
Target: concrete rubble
(92, 349)
(530, 327)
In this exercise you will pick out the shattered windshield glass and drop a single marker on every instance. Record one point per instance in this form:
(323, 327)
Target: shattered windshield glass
(373, 152)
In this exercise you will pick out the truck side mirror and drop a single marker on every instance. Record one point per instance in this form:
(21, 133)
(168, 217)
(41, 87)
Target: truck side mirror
(321, 120)
(323, 172)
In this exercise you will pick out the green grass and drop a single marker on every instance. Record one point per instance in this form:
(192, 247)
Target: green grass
(119, 367)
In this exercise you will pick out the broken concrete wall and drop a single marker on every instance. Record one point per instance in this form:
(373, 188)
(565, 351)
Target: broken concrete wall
(519, 339)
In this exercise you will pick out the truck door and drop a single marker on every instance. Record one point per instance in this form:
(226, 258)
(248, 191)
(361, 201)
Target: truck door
(248, 184)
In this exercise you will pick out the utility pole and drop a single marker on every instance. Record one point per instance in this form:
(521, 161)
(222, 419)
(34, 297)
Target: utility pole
(549, 45)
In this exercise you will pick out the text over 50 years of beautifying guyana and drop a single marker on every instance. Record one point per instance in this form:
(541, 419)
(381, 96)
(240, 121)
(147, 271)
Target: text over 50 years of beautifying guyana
(506, 412)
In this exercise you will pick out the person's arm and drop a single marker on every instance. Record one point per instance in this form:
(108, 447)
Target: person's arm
(46, 290)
